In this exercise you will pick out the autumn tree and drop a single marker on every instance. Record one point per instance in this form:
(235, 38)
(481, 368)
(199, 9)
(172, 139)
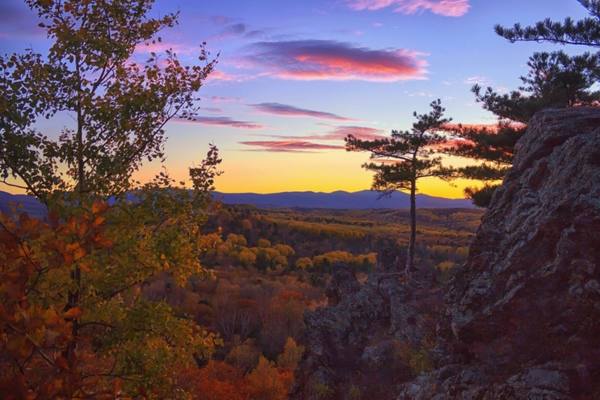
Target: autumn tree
(555, 80)
(117, 338)
(267, 383)
(401, 160)
(119, 107)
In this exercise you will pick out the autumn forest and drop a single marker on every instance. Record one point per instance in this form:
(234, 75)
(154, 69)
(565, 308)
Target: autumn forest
(121, 279)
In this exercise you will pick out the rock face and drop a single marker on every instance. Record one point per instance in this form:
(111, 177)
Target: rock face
(520, 320)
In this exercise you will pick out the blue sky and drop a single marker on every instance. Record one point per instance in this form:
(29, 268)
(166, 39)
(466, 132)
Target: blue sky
(294, 77)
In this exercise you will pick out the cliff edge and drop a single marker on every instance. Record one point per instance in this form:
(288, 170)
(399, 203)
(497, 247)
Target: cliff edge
(521, 318)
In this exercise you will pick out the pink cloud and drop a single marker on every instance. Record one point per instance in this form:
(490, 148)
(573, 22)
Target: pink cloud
(360, 132)
(448, 8)
(221, 121)
(221, 76)
(331, 60)
(291, 111)
(289, 146)
(212, 109)
(339, 133)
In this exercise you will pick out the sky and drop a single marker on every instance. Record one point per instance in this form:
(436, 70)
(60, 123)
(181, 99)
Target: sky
(294, 78)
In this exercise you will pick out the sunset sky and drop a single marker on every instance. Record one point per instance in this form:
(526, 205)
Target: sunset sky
(295, 77)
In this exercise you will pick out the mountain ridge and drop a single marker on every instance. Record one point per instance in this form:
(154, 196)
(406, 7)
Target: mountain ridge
(360, 200)
(364, 199)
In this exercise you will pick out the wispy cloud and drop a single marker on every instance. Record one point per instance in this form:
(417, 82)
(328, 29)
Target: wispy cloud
(232, 30)
(212, 109)
(448, 8)
(289, 146)
(332, 60)
(225, 99)
(291, 111)
(221, 19)
(222, 121)
(360, 132)
(478, 80)
(222, 76)
(339, 133)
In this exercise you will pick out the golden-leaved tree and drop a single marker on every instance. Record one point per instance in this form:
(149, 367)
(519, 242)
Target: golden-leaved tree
(74, 322)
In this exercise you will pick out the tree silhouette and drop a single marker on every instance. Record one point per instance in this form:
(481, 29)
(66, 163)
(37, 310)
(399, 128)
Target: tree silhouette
(555, 80)
(585, 32)
(407, 156)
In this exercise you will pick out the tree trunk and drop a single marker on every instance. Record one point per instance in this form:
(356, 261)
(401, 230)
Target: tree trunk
(74, 295)
(410, 256)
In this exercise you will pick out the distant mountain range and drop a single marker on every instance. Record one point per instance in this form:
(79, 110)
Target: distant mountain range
(28, 204)
(362, 200)
(365, 199)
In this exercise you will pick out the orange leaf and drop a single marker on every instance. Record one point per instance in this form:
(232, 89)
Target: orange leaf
(82, 228)
(73, 313)
(99, 207)
(99, 221)
(79, 253)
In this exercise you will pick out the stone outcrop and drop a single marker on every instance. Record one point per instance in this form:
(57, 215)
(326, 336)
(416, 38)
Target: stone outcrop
(520, 320)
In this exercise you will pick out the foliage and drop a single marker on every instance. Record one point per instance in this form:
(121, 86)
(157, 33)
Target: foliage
(266, 383)
(584, 32)
(555, 80)
(89, 265)
(291, 356)
(216, 381)
(304, 263)
(121, 338)
(119, 107)
(244, 356)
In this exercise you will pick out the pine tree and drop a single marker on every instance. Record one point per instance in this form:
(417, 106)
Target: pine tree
(407, 156)
(585, 32)
(493, 148)
(555, 80)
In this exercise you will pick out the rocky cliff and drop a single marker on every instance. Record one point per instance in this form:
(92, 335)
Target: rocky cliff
(520, 320)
